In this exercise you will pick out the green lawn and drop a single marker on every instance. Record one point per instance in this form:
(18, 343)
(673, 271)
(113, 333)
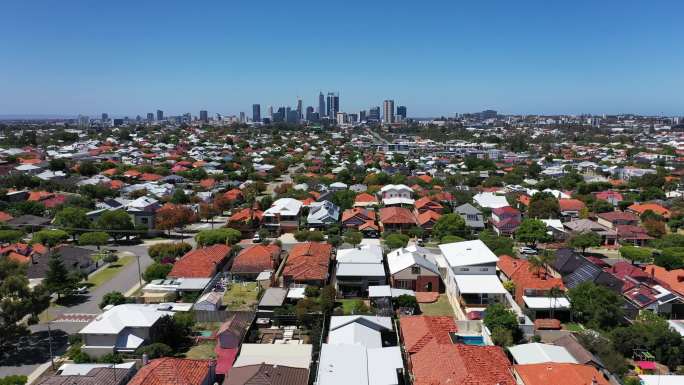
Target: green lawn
(573, 327)
(241, 296)
(202, 351)
(112, 270)
(347, 305)
(441, 307)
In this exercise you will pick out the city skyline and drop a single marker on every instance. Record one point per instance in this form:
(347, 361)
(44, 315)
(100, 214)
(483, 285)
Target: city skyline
(522, 58)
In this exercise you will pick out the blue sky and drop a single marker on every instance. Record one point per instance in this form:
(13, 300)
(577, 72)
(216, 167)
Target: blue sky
(435, 57)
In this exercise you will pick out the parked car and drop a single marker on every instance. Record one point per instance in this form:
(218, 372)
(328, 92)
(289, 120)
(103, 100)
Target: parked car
(256, 238)
(527, 250)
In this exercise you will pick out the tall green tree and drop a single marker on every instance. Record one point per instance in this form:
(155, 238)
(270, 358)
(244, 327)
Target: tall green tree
(58, 279)
(50, 238)
(596, 306)
(636, 254)
(117, 223)
(74, 220)
(584, 240)
(449, 224)
(532, 231)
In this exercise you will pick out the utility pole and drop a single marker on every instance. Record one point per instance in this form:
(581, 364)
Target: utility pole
(52, 357)
(139, 272)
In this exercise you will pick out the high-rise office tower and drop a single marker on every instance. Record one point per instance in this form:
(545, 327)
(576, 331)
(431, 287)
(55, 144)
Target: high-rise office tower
(333, 105)
(309, 113)
(270, 112)
(321, 105)
(243, 117)
(256, 112)
(150, 116)
(299, 108)
(362, 115)
(374, 114)
(401, 112)
(388, 112)
(160, 115)
(204, 116)
(83, 121)
(341, 118)
(105, 117)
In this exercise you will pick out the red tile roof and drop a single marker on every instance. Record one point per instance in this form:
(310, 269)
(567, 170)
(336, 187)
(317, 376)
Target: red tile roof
(149, 177)
(4, 217)
(396, 215)
(656, 208)
(256, 259)
(435, 359)
(308, 261)
(200, 263)
(559, 374)
(428, 203)
(571, 204)
(233, 194)
(612, 216)
(672, 279)
(365, 198)
(518, 270)
(427, 216)
(207, 183)
(361, 213)
(172, 371)
(245, 215)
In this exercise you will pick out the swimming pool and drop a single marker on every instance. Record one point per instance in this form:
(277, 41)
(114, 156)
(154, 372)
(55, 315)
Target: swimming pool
(468, 340)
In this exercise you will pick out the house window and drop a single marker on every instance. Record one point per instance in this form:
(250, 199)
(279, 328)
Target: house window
(464, 269)
(415, 270)
(484, 269)
(402, 284)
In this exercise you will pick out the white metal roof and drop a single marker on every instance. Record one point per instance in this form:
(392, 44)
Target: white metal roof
(356, 364)
(546, 302)
(83, 369)
(361, 254)
(536, 353)
(360, 270)
(284, 206)
(401, 259)
(467, 253)
(476, 284)
(398, 201)
(490, 200)
(292, 355)
(119, 317)
(655, 379)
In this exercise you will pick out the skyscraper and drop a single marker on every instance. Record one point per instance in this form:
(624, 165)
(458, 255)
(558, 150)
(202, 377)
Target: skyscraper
(270, 112)
(374, 114)
(204, 116)
(401, 112)
(243, 117)
(256, 112)
(299, 108)
(309, 113)
(150, 116)
(105, 117)
(333, 105)
(388, 112)
(321, 105)
(362, 115)
(160, 115)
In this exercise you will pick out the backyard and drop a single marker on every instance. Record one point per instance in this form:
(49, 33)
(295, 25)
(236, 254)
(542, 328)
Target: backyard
(202, 351)
(241, 296)
(441, 307)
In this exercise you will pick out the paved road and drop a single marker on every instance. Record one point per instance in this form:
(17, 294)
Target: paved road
(377, 137)
(33, 351)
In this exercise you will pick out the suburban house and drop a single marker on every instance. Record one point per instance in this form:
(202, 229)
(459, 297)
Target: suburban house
(632, 235)
(174, 371)
(361, 219)
(489, 200)
(427, 204)
(122, 328)
(468, 270)
(608, 236)
(90, 374)
(640, 209)
(357, 354)
(308, 264)
(471, 215)
(574, 269)
(75, 259)
(253, 260)
(612, 219)
(558, 373)
(396, 219)
(270, 364)
(358, 268)
(536, 353)
(533, 287)
(396, 195)
(433, 358)
(245, 220)
(427, 220)
(414, 268)
(570, 208)
(365, 200)
(142, 211)
(283, 215)
(505, 220)
(201, 263)
(322, 214)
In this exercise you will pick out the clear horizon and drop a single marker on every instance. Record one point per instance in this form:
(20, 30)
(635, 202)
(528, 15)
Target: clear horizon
(533, 58)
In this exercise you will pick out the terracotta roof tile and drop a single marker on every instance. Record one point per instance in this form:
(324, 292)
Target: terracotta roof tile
(308, 261)
(172, 371)
(559, 374)
(200, 263)
(256, 259)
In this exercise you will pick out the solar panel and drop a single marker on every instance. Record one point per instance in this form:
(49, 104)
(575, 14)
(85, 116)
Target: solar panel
(586, 272)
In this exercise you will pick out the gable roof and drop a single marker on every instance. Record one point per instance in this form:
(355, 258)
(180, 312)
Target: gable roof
(396, 215)
(467, 253)
(308, 261)
(172, 371)
(255, 259)
(200, 263)
(571, 204)
(559, 374)
(265, 374)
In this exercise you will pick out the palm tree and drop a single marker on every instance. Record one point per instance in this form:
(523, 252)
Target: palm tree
(535, 264)
(554, 293)
(546, 259)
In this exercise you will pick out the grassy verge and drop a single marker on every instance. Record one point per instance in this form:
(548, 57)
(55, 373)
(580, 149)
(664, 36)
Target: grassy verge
(112, 270)
(441, 307)
(573, 327)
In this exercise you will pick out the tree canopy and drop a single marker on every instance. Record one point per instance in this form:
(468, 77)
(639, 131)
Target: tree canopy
(449, 224)
(224, 236)
(596, 306)
(531, 231)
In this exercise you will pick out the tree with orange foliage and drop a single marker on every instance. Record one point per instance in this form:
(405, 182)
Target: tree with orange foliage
(172, 216)
(208, 211)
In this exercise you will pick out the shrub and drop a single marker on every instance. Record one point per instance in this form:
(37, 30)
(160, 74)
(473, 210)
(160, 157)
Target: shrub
(157, 271)
(218, 236)
(155, 350)
(13, 380)
(169, 250)
(312, 291)
(112, 298)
